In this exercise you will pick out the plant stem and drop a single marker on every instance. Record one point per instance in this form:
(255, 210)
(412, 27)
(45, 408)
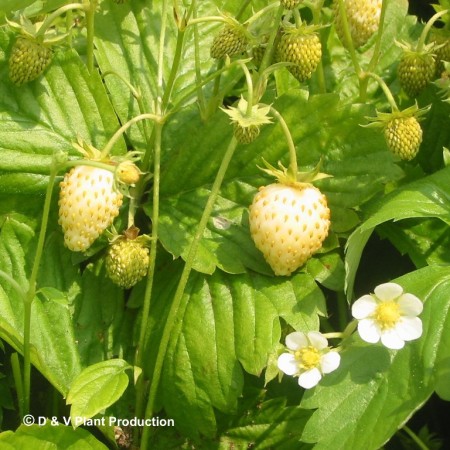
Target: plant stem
(174, 70)
(270, 44)
(32, 289)
(383, 86)
(348, 38)
(320, 74)
(364, 82)
(116, 136)
(48, 22)
(293, 166)
(13, 283)
(175, 310)
(297, 17)
(140, 387)
(206, 19)
(203, 82)
(415, 438)
(249, 81)
(427, 29)
(198, 75)
(17, 375)
(90, 28)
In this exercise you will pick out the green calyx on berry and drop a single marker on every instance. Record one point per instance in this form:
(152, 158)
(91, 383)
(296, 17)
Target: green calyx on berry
(302, 48)
(31, 53)
(289, 220)
(128, 258)
(232, 39)
(126, 172)
(363, 17)
(401, 130)
(247, 125)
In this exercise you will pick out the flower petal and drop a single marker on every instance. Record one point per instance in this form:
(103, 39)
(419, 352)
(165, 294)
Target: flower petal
(369, 331)
(330, 361)
(392, 340)
(388, 291)
(288, 364)
(296, 340)
(409, 328)
(410, 305)
(364, 307)
(317, 340)
(309, 378)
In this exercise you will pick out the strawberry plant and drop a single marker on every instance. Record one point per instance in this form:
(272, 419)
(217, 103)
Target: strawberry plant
(224, 224)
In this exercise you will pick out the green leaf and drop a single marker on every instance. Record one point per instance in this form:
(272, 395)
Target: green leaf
(97, 387)
(100, 318)
(425, 241)
(328, 270)
(427, 197)
(272, 425)
(54, 295)
(48, 436)
(54, 351)
(230, 323)
(34, 125)
(373, 382)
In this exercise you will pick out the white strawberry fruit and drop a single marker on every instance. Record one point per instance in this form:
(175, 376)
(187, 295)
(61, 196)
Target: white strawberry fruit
(288, 223)
(88, 204)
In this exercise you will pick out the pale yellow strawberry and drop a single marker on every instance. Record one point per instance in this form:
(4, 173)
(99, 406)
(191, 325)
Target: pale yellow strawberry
(288, 223)
(88, 204)
(363, 17)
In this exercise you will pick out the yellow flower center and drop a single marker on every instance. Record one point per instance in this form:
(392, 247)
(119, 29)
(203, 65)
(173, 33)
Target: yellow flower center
(387, 314)
(308, 357)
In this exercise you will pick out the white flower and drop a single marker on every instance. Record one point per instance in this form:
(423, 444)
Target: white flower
(309, 358)
(389, 315)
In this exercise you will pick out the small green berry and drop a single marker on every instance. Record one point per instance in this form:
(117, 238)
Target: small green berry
(127, 262)
(230, 41)
(302, 48)
(403, 136)
(415, 71)
(28, 60)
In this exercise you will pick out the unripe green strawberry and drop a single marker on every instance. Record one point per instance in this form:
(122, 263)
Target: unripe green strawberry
(442, 51)
(246, 135)
(230, 41)
(127, 262)
(88, 204)
(28, 60)
(290, 4)
(363, 17)
(403, 137)
(415, 71)
(288, 223)
(301, 47)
